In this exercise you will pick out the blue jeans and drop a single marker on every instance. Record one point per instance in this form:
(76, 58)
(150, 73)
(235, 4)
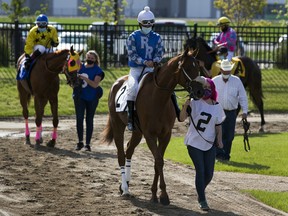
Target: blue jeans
(80, 107)
(228, 133)
(204, 162)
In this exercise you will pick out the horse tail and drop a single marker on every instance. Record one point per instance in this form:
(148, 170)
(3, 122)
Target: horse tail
(107, 133)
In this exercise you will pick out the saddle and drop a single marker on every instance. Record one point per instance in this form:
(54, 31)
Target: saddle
(238, 68)
(121, 95)
(24, 76)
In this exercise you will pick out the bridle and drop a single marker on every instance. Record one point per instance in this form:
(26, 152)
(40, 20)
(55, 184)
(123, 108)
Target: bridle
(71, 76)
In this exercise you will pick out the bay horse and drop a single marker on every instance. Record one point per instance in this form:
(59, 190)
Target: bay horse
(252, 79)
(44, 85)
(155, 117)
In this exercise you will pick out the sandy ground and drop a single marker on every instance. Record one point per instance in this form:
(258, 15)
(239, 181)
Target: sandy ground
(62, 181)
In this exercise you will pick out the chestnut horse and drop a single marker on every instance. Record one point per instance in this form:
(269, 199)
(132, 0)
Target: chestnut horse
(43, 83)
(155, 117)
(252, 79)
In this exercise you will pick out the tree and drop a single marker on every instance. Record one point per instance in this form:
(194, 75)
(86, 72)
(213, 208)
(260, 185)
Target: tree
(241, 12)
(15, 10)
(282, 13)
(108, 10)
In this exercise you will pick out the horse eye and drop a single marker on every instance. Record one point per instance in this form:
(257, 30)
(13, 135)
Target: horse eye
(72, 63)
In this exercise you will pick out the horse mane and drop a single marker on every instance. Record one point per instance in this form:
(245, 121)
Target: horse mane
(204, 43)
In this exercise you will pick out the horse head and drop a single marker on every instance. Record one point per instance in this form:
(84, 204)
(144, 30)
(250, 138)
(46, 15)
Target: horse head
(190, 71)
(71, 68)
(203, 51)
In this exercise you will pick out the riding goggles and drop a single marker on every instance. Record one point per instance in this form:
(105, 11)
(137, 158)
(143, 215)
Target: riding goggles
(41, 24)
(148, 22)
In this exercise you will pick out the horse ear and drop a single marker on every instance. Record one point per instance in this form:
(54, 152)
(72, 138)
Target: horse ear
(81, 52)
(72, 50)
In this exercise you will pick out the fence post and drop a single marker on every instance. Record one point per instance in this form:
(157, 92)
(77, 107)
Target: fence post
(195, 30)
(105, 44)
(16, 42)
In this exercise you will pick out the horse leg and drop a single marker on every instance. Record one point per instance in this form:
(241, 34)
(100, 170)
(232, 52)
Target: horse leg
(163, 143)
(134, 141)
(158, 153)
(256, 96)
(24, 100)
(39, 104)
(118, 128)
(54, 110)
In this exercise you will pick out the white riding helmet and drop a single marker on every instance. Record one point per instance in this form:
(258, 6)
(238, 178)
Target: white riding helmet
(146, 17)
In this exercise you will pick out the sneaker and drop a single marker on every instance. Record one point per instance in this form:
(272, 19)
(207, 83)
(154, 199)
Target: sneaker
(87, 148)
(204, 206)
(79, 146)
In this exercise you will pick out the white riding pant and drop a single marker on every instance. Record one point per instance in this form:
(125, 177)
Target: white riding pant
(42, 49)
(132, 84)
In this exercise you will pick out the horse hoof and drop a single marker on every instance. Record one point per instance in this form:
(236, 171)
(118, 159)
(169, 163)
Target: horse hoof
(36, 146)
(164, 200)
(51, 143)
(27, 141)
(154, 200)
(261, 130)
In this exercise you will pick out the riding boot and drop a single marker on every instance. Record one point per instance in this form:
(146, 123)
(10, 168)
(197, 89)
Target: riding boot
(177, 109)
(130, 105)
(35, 54)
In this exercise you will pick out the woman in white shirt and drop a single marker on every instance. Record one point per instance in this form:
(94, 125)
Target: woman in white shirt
(206, 116)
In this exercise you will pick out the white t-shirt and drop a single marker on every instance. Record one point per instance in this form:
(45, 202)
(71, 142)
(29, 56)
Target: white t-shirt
(205, 117)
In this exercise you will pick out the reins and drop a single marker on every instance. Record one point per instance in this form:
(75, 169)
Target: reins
(49, 70)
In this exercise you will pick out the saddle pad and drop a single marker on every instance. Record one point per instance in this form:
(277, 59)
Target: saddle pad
(238, 68)
(121, 95)
(23, 74)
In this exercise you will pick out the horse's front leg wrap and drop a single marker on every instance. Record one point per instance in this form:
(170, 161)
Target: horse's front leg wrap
(27, 131)
(38, 133)
(124, 185)
(128, 170)
(54, 134)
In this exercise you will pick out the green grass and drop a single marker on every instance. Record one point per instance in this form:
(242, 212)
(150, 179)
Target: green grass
(268, 156)
(275, 86)
(9, 100)
(264, 158)
(276, 200)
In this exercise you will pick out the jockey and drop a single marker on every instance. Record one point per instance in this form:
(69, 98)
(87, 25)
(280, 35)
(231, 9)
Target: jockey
(227, 37)
(145, 48)
(40, 39)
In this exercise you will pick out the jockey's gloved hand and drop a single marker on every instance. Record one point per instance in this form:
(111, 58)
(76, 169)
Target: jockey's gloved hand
(53, 44)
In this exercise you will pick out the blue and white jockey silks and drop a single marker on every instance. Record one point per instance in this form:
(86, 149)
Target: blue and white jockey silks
(141, 48)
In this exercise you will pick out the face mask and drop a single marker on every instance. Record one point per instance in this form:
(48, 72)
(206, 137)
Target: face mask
(207, 94)
(146, 30)
(224, 29)
(90, 62)
(225, 76)
(42, 29)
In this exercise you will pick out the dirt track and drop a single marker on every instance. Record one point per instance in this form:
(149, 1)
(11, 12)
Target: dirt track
(62, 181)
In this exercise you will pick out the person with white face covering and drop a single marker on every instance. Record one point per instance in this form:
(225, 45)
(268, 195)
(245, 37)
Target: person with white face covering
(145, 48)
(231, 92)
